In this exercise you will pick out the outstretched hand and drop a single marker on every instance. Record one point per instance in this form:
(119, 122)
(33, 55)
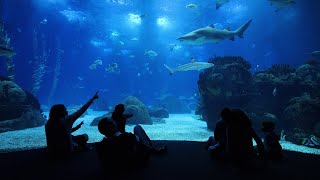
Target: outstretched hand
(96, 96)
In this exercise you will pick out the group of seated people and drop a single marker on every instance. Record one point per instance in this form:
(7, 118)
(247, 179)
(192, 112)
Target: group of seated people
(232, 136)
(117, 145)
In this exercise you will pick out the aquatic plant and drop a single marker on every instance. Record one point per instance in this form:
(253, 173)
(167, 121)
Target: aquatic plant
(5, 41)
(40, 59)
(57, 71)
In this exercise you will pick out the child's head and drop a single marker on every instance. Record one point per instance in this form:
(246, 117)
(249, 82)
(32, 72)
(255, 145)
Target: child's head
(58, 111)
(225, 114)
(268, 126)
(119, 108)
(107, 127)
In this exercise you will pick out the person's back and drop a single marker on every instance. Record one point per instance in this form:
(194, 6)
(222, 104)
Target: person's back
(240, 134)
(58, 132)
(59, 128)
(119, 148)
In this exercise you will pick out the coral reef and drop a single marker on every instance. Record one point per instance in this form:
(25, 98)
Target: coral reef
(158, 112)
(303, 112)
(270, 94)
(140, 112)
(173, 104)
(5, 41)
(19, 108)
(226, 84)
(12, 100)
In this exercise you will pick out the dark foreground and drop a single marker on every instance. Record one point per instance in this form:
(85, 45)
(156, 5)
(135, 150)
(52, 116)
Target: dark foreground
(185, 160)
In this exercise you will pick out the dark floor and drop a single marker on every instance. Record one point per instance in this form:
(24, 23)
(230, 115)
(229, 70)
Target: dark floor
(185, 160)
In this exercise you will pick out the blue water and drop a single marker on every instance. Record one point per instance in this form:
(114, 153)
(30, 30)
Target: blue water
(101, 29)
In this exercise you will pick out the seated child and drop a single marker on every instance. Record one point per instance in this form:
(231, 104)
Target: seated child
(271, 141)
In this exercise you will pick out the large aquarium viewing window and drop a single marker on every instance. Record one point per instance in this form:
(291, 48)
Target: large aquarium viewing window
(174, 64)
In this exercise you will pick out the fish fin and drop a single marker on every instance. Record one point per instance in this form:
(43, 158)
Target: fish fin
(243, 28)
(169, 68)
(193, 60)
(232, 38)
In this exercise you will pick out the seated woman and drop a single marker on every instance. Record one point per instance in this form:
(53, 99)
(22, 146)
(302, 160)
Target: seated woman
(59, 128)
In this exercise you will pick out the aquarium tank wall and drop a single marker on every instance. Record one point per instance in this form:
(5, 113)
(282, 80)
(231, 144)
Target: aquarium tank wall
(173, 64)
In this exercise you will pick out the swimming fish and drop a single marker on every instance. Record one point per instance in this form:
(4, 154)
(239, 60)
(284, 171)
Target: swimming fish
(315, 53)
(211, 34)
(282, 3)
(312, 141)
(151, 54)
(198, 66)
(274, 92)
(220, 3)
(44, 21)
(192, 6)
(6, 52)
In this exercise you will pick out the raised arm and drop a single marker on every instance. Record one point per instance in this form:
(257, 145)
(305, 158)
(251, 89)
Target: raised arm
(73, 117)
(77, 127)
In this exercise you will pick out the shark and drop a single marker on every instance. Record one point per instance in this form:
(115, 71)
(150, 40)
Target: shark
(212, 34)
(198, 66)
(6, 52)
(281, 3)
(220, 3)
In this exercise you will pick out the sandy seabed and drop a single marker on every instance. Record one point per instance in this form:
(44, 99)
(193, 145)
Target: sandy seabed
(181, 127)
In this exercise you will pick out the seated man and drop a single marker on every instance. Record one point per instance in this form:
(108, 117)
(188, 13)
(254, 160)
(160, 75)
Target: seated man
(124, 149)
(59, 128)
(239, 137)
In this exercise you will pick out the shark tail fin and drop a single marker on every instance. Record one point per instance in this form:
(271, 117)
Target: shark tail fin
(170, 69)
(243, 28)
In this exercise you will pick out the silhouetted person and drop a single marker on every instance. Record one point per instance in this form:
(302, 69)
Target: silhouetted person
(272, 147)
(120, 118)
(59, 128)
(217, 143)
(239, 138)
(123, 150)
